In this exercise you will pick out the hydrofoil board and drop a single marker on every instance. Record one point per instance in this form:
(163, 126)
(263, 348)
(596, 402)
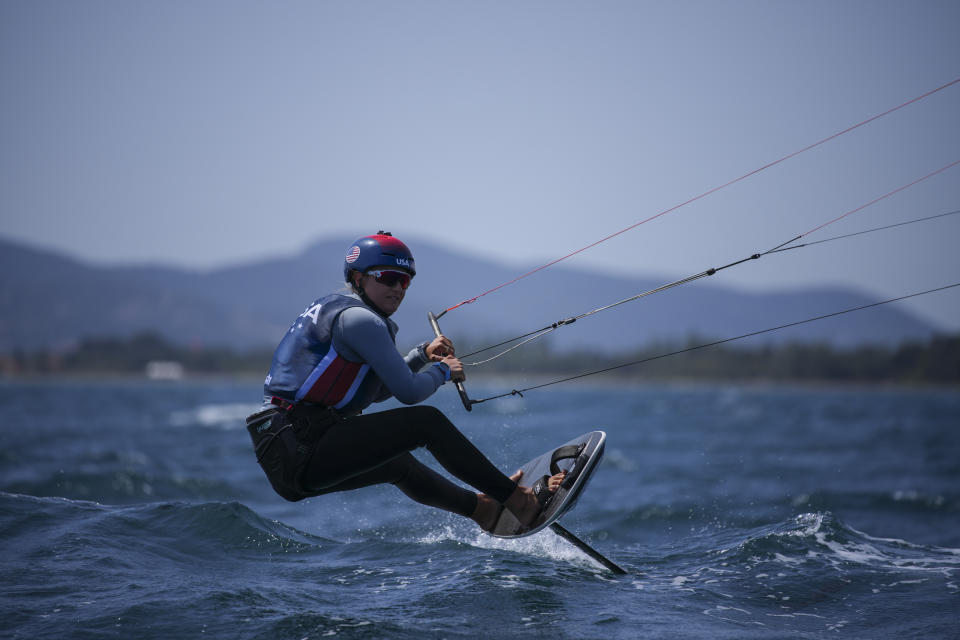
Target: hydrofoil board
(579, 457)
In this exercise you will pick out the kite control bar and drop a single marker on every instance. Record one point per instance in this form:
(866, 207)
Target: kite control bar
(467, 402)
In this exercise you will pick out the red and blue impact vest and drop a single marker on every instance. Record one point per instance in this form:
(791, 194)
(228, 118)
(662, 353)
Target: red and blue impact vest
(307, 368)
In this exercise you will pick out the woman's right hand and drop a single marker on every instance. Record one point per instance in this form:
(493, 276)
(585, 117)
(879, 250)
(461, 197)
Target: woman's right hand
(457, 373)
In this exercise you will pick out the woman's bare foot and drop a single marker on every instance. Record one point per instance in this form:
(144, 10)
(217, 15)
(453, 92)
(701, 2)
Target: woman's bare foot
(523, 503)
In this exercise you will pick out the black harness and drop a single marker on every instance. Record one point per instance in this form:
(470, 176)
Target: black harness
(285, 437)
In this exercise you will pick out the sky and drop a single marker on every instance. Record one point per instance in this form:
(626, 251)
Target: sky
(214, 133)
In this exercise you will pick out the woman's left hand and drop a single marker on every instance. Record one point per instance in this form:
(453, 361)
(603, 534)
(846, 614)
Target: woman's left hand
(440, 348)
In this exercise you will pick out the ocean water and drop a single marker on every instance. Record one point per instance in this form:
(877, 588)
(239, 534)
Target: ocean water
(136, 510)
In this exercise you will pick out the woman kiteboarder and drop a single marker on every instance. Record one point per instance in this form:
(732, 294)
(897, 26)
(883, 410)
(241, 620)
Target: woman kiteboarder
(338, 358)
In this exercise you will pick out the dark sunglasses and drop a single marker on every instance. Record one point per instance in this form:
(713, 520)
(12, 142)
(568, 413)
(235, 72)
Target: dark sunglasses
(390, 278)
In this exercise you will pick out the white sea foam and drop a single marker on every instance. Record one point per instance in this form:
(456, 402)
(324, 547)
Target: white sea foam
(545, 544)
(934, 559)
(908, 545)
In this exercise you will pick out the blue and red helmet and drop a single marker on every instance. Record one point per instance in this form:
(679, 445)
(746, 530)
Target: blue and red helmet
(377, 250)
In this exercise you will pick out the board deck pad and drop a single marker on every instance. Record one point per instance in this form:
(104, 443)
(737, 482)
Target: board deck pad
(566, 496)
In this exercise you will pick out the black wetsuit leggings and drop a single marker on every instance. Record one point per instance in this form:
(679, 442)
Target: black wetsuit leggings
(375, 448)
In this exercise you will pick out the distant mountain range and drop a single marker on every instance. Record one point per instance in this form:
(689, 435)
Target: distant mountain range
(48, 301)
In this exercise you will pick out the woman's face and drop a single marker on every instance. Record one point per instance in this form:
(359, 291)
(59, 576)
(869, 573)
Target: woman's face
(386, 296)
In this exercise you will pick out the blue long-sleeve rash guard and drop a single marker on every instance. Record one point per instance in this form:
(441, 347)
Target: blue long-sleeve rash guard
(360, 335)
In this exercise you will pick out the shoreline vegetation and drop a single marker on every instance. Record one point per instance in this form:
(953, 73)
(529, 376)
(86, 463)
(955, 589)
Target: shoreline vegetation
(935, 361)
